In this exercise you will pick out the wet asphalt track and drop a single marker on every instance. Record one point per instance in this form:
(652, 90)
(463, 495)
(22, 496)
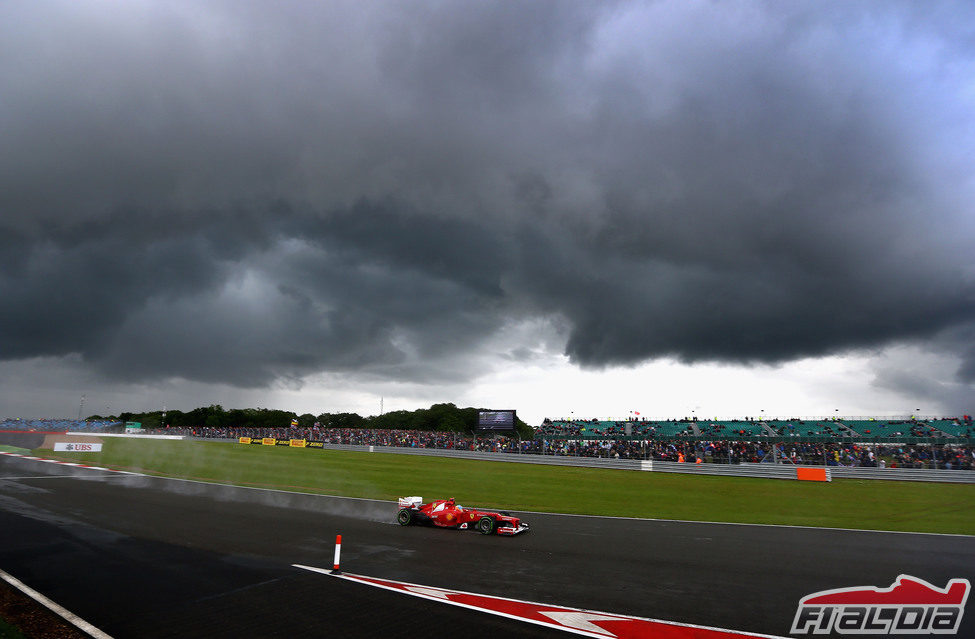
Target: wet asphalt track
(145, 557)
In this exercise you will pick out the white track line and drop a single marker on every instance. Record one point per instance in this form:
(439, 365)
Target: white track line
(67, 615)
(741, 523)
(538, 512)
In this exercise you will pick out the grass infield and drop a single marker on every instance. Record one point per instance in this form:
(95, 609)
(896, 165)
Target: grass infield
(843, 503)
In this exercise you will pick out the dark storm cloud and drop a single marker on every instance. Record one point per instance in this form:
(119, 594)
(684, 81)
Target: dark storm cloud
(241, 193)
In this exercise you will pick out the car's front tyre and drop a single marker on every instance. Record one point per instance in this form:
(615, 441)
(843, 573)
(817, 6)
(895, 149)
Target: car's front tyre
(485, 525)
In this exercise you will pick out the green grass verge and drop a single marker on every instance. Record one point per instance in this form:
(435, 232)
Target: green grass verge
(843, 503)
(14, 449)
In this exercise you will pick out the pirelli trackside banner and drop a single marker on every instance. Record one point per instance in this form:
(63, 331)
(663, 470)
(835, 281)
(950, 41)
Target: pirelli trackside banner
(291, 443)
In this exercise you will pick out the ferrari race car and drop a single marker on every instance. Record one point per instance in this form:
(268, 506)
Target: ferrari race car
(446, 513)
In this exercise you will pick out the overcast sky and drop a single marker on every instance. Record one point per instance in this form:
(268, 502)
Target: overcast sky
(561, 207)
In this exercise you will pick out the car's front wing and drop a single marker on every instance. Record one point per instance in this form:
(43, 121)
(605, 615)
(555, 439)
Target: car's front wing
(512, 530)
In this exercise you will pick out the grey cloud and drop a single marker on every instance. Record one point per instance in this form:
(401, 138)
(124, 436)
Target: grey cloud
(930, 375)
(246, 193)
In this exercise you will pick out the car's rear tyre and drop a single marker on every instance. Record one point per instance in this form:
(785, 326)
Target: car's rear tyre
(485, 525)
(404, 517)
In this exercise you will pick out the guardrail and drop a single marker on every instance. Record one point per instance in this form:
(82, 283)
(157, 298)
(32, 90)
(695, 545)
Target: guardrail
(766, 470)
(549, 460)
(906, 474)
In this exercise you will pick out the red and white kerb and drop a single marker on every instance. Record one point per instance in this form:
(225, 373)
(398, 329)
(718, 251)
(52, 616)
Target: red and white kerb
(587, 623)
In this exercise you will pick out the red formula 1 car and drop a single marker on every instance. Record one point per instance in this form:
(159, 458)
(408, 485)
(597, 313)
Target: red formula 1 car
(446, 513)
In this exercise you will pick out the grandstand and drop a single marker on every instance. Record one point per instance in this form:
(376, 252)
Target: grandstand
(887, 428)
(945, 443)
(601, 441)
(954, 427)
(795, 429)
(733, 429)
(596, 429)
(816, 429)
(58, 425)
(663, 429)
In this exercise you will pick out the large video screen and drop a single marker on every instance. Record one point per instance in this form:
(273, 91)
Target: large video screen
(496, 420)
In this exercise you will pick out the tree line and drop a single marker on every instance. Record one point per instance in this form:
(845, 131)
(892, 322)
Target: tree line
(439, 417)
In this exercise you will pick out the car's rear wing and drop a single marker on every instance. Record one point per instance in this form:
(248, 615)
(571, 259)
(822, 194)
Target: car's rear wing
(410, 502)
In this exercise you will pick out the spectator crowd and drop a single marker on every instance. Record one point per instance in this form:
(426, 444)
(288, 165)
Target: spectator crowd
(686, 450)
(677, 441)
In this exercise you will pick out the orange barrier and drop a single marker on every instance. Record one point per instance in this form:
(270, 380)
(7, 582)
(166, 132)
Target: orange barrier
(812, 474)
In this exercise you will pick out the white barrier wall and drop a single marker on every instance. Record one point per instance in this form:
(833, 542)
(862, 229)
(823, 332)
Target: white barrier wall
(767, 471)
(127, 435)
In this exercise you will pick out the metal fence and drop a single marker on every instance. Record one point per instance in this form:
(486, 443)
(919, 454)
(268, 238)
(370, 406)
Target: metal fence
(906, 474)
(549, 460)
(765, 470)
